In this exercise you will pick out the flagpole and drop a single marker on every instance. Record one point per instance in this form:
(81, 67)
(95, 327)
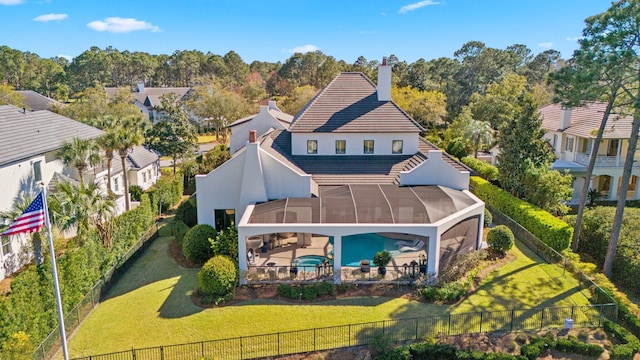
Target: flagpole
(56, 283)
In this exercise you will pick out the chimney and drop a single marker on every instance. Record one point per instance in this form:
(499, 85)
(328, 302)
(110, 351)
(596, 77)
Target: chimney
(384, 81)
(253, 137)
(140, 86)
(264, 109)
(565, 117)
(273, 106)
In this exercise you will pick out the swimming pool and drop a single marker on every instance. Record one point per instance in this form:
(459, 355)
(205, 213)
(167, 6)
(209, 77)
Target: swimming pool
(310, 261)
(364, 246)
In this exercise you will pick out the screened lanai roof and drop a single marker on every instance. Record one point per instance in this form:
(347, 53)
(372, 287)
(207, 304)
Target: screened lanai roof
(365, 204)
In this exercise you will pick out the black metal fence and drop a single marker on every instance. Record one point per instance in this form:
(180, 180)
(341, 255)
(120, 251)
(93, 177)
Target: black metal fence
(401, 330)
(550, 255)
(74, 318)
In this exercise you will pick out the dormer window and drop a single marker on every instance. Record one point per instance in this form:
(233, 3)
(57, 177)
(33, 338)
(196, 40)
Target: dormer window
(396, 147)
(368, 146)
(312, 146)
(341, 146)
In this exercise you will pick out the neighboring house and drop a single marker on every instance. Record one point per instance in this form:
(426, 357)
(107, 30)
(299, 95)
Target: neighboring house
(350, 177)
(29, 145)
(572, 132)
(29, 154)
(36, 101)
(148, 98)
(269, 117)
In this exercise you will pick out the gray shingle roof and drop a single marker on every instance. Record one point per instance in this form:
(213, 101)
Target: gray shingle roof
(358, 169)
(151, 95)
(586, 120)
(36, 101)
(141, 157)
(350, 104)
(23, 135)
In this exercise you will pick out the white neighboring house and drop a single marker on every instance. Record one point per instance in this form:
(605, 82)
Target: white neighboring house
(352, 163)
(147, 98)
(572, 132)
(269, 117)
(29, 145)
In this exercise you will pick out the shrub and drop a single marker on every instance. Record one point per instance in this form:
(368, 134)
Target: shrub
(553, 231)
(180, 229)
(578, 347)
(500, 239)
(461, 265)
(226, 243)
(306, 292)
(136, 192)
(218, 276)
(488, 218)
(484, 169)
(196, 246)
(399, 353)
(187, 212)
(166, 192)
(382, 258)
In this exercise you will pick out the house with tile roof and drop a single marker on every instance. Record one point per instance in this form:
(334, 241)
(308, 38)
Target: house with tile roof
(572, 131)
(269, 117)
(148, 98)
(36, 101)
(29, 146)
(349, 178)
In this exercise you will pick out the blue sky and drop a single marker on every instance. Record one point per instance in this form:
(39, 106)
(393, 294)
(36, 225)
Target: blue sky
(270, 30)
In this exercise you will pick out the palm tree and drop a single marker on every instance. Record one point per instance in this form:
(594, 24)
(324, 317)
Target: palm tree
(80, 206)
(129, 135)
(80, 153)
(479, 133)
(109, 142)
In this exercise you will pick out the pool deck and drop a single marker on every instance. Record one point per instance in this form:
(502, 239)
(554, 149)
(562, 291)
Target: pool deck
(289, 249)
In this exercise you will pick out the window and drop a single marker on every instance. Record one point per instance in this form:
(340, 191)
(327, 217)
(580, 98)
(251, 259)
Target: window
(6, 245)
(612, 149)
(368, 146)
(569, 146)
(116, 188)
(585, 146)
(312, 146)
(37, 171)
(224, 218)
(144, 176)
(341, 146)
(555, 140)
(396, 147)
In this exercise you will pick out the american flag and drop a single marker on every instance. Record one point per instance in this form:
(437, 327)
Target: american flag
(31, 220)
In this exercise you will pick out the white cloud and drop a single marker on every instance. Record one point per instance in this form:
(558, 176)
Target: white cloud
(68, 57)
(121, 25)
(50, 17)
(418, 5)
(303, 49)
(10, 2)
(574, 38)
(545, 44)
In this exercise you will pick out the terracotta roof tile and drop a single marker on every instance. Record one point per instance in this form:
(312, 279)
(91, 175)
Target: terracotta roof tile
(586, 120)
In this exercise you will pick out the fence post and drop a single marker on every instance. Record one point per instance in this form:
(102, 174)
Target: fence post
(542, 318)
(202, 347)
(512, 317)
(383, 326)
(600, 317)
(133, 353)
(278, 344)
(314, 339)
(417, 319)
(449, 328)
(349, 335)
(481, 312)
(77, 315)
(161, 353)
(572, 308)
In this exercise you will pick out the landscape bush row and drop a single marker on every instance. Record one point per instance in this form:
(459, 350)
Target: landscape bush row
(30, 305)
(484, 169)
(553, 231)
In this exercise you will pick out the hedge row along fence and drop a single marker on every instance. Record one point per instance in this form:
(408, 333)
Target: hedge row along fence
(551, 230)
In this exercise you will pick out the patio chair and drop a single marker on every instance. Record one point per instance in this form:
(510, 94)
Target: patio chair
(365, 267)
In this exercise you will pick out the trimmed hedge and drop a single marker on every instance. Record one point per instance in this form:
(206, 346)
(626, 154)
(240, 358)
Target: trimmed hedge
(180, 229)
(629, 346)
(500, 239)
(484, 169)
(429, 350)
(196, 245)
(187, 212)
(553, 231)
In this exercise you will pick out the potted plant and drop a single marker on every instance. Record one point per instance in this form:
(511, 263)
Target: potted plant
(381, 259)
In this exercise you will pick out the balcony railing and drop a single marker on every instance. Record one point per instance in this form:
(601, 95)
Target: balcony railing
(604, 160)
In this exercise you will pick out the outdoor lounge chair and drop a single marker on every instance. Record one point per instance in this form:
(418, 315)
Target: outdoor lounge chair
(364, 266)
(405, 246)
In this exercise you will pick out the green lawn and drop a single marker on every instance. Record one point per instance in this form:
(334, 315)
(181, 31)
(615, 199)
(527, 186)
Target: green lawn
(204, 139)
(150, 306)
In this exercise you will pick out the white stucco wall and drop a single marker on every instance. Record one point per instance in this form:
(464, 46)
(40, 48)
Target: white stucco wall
(137, 177)
(355, 143)
(435, 171)
(251, 176)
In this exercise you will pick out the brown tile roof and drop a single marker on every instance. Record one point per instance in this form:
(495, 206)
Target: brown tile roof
(586, 120)
(350, 104)
(358, 169)
(282, 117)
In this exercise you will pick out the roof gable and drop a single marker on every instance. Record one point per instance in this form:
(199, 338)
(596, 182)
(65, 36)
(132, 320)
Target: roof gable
(350, 104)
(586, 120)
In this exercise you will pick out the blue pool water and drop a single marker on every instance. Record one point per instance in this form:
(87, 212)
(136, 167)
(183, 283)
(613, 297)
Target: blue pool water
(310, 260)
(364, 246)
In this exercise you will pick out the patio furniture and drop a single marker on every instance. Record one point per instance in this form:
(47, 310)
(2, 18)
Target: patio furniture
(405, 246)
(365, 267)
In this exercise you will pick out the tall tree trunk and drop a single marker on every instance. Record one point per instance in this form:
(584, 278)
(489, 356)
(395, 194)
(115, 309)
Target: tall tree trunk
(175, 159)
(80, 175)
(622, 193)
(587, 180)
(127, 206)
(109, 158)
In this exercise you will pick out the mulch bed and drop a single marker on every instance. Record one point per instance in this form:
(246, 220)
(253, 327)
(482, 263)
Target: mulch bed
(178, 257)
